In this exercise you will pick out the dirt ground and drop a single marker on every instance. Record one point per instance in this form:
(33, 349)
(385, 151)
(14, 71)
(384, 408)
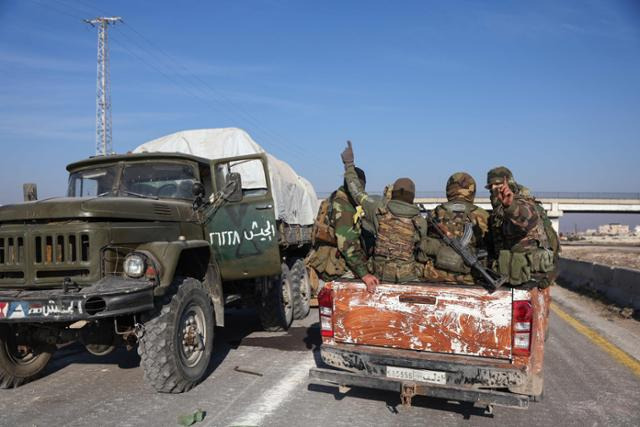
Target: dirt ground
(615, 256)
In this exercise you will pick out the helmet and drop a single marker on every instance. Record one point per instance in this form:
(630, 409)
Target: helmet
(461, 186)
(497, 176)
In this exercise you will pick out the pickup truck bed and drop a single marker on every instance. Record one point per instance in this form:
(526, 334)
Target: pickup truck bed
(442, 340)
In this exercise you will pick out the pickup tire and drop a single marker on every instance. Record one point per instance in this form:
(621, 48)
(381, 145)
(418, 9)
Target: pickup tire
(301, 288)
(275, 305)
(17, 368)
(177, 343)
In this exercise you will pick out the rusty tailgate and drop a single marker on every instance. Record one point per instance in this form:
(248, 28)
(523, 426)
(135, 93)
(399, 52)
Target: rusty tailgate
(454, 319)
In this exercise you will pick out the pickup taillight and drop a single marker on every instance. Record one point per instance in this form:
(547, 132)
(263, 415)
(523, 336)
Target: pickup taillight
(522, 326)
(325, 307)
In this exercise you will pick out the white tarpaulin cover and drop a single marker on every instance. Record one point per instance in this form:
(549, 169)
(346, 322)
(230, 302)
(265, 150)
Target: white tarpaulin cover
(294, 198)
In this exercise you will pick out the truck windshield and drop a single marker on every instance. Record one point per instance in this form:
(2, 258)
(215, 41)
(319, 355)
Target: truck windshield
(161, 180)
(92, 182)
(144, 179)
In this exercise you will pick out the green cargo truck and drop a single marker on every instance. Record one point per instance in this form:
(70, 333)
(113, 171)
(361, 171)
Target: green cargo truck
(146, 250)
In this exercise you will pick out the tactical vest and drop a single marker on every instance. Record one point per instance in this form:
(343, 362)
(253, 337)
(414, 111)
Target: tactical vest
(395, 247)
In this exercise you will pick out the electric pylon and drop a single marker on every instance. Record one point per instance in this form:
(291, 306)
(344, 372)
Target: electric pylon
(103, 102)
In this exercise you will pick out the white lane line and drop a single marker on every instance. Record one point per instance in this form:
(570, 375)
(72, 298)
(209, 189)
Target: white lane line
(274, 397)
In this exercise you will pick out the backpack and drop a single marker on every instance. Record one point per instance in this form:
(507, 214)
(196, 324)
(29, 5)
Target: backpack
(552, 236)
(323, 231)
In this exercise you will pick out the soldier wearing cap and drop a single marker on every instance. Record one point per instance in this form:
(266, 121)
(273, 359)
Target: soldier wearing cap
(397, 222)
(443, 263)
(523, 244)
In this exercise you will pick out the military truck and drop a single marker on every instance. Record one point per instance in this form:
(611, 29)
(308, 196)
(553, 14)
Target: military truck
(146, 250)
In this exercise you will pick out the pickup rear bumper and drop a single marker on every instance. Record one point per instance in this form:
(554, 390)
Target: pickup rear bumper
(467, 379)
(409, 389)
(109, 297)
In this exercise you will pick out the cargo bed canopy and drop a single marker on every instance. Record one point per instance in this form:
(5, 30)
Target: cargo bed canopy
(295, 200)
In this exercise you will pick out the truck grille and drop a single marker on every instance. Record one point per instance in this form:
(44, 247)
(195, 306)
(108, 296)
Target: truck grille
(61, 255)
(38, 256)
(12, 257)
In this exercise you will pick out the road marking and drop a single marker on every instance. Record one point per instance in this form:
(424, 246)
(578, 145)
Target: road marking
(271, 399)
(618, 354)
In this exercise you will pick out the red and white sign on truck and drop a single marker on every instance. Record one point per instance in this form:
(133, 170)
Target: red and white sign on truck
(458, 342)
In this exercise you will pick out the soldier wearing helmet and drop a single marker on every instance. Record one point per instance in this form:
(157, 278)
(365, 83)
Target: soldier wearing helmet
(443, 263)
(397, 222)
(524, 245)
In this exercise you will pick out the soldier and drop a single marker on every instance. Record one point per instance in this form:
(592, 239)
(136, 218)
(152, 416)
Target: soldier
(397, 222)
(339, 244)
(444, 264)
(524, 246)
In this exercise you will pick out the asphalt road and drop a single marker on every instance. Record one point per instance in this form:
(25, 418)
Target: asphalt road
(584, 386)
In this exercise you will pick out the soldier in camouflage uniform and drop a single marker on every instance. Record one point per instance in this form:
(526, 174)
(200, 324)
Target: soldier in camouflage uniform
(522, 246)
(443, 263)
(342, 250)
(397, 222)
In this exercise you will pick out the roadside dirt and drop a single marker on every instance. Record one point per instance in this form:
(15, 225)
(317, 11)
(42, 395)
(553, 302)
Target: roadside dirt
(617, 256)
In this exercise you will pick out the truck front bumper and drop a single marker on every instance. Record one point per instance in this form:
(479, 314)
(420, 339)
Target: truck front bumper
(111, 296)
(467, 379)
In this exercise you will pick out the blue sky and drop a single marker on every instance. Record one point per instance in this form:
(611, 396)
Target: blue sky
(423, 89)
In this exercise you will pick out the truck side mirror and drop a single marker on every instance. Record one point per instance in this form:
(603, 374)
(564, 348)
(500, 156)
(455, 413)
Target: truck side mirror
(236, 193)
(30, 192)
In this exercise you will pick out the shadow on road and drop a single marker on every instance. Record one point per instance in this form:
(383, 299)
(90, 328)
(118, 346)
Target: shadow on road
(392, 401)
(241, 325)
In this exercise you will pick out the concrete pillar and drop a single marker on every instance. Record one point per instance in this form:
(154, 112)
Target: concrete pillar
(554, 215)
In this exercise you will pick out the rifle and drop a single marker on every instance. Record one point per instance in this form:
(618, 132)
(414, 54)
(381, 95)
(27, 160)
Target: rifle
(491, 279)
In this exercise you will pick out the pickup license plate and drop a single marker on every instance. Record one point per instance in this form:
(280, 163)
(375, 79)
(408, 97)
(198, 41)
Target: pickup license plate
(423, 375)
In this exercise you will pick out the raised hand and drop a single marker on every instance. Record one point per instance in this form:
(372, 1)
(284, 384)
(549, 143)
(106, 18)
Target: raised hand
(347, 155)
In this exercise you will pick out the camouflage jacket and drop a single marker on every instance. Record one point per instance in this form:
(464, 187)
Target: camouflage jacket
(347, 230)
(374, 209)
(518, 227)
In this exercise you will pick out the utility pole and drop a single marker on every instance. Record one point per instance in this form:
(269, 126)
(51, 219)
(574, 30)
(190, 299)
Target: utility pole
(103, 103)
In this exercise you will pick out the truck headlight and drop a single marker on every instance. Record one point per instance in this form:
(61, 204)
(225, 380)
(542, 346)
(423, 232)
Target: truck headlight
(134, 265)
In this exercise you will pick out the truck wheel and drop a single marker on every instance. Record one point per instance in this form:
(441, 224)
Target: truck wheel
(20, 364)
(176, 347)
(301, 287)
(275, 307)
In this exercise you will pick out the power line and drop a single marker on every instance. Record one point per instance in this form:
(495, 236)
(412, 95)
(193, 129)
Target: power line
(269, 135)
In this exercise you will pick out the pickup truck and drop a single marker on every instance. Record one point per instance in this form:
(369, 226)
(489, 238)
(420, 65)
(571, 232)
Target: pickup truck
(452, 341)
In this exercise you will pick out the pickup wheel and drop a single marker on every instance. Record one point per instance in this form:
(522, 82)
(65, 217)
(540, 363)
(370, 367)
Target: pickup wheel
(177, 343)
(275, 307)
(301, 287)
(20, 363)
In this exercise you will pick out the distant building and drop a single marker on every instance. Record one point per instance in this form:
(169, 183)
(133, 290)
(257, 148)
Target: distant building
(637, 230)
(590, 231)
(613, 229)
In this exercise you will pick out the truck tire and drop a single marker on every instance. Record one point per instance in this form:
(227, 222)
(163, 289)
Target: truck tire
(176, 346)
(17, 368)
(301, 287)
(275, 307)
